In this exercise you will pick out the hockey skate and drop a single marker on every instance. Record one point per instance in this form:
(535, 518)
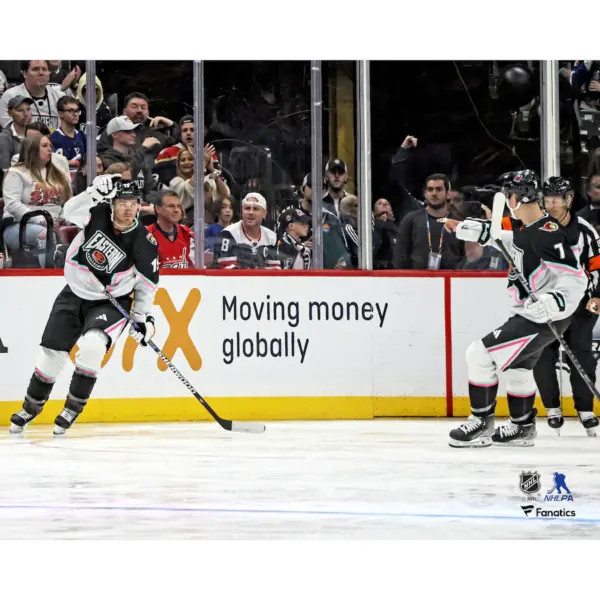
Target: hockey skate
(20, 420)
(475, 433)
(555, 419)
(589, 422)
(516, 434)
(67, 417)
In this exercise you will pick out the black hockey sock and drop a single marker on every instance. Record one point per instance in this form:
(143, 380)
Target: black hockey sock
(521, 408)
(81, 388)
(483, 399)
(38, 392)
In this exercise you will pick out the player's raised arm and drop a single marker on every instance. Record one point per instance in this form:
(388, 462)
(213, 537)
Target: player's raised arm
(77, 209)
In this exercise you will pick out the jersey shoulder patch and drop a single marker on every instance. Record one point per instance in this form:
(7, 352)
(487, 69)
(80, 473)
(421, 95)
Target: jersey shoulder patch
(549, 226)
(150, 237)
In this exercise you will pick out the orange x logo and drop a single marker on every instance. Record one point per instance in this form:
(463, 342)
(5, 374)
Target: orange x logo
(178, 338)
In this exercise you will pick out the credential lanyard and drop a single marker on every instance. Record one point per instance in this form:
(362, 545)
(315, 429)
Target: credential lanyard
(429, 236)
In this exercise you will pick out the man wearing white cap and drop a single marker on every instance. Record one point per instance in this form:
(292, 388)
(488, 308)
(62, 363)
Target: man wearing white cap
(247, 244)
(121, 131)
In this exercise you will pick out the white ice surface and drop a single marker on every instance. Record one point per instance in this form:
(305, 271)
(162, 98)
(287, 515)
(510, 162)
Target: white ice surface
(383, 479)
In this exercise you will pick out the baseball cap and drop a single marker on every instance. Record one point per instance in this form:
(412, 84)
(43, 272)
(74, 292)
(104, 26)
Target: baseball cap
(186, 119)
(307, 181)
(18, 100)
(121, 123)
(336, 165)
(295, 215)
(255, 198)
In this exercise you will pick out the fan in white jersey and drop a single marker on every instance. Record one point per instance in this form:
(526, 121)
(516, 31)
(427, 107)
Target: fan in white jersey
(248, 244)
(36, 76)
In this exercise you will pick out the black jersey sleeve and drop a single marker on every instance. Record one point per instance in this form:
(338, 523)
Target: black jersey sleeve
(146, 270)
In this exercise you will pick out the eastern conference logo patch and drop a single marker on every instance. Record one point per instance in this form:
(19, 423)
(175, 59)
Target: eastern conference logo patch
(102, 253)
(530, 483)
(549, 226)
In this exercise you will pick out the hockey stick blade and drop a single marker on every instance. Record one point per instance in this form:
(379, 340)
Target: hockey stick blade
(224, 423)
(497, 213)
(247, 427)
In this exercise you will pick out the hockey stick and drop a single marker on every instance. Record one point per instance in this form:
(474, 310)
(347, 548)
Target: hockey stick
(495, 232)
(224, 423)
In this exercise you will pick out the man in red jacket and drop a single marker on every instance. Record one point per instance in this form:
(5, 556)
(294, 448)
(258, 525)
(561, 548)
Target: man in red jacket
(175, 241)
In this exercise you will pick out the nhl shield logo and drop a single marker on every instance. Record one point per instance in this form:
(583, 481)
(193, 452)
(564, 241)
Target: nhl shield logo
(530, 482)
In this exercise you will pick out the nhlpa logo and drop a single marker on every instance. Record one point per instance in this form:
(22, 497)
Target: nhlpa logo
(559, 492)
(102, 253)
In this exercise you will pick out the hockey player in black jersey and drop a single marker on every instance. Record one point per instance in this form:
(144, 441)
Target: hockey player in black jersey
(559, 201)
(541, 251)
(113, 252)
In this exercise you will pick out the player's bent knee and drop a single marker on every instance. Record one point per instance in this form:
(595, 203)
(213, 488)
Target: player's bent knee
(481, 367)
(92, 348)
(50, 363)
(520, 382)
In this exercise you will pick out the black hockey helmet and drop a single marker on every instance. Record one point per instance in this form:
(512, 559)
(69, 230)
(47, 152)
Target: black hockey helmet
(127, 189)
(525, 184)
(557, 186)
(561, 187)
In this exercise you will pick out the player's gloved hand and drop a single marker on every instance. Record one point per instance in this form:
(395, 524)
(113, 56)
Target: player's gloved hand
(143, 331)
(548, 307)
(103, 188)
(474, 230)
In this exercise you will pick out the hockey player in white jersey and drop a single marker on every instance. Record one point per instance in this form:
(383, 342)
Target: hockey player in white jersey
(114, 251)
(541, 251)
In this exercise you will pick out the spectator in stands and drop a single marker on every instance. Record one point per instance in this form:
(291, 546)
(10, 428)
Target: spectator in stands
(61, 76)
(39, 129)
(336, 177)
(34, 183)
(183, 183)
(166, 161)
(382, 210)
(591, 213)
(122, 132)
(405, 202)
(136, 109)
(214, 184)
(477, 257)
(175, 241)
(3, 86)
(335, 250)
(67, 140)
(248, 244)
(293, 249)
(349, 219)
(422, 241)
(223, 217)
(36, 76)
(385, 232)
(19, 111)
(80, 182)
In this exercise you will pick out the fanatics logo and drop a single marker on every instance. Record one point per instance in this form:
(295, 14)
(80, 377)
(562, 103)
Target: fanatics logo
(102, 253)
